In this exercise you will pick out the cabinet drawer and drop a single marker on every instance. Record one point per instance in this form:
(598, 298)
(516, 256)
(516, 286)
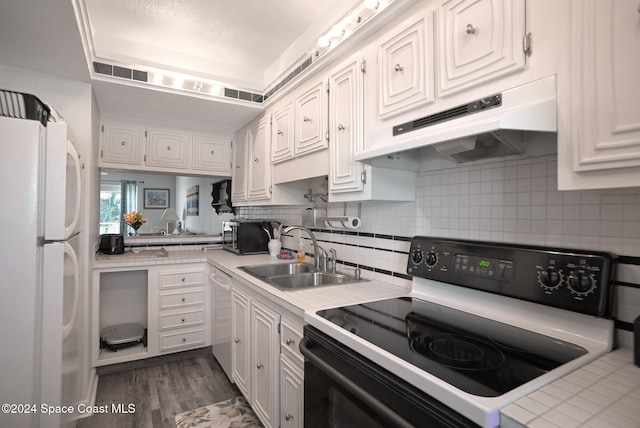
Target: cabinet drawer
(182, 299)
(182, 319)
(181, 279)
(181, 339)
(290, 338)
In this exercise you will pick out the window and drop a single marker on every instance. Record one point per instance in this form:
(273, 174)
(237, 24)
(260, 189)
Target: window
(116, 199)
(110, 207)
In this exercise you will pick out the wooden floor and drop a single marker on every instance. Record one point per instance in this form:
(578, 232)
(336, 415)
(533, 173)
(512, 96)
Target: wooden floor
(159, 388)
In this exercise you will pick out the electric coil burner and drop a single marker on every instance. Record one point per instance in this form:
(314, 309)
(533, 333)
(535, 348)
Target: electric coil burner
(485, 324)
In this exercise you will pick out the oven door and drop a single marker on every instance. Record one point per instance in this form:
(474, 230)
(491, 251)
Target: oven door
(344, 389)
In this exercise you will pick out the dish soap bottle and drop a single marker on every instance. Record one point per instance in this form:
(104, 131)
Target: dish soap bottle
(302, 256)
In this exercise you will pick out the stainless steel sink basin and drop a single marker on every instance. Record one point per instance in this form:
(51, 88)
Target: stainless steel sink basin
(296, 276)
(311, 279)
(265, 271)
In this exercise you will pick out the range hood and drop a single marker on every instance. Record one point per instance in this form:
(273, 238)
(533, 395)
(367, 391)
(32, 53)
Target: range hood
(496, 126)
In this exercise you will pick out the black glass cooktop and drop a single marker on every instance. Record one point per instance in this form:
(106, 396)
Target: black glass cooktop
(475, 354)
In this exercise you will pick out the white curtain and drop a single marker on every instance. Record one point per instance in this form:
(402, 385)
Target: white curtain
(128, 201)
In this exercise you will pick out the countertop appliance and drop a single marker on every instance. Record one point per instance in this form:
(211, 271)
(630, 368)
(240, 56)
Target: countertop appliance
(41, 203)
(243, 236)
(484, 325)
(111, 243)
(221, 284)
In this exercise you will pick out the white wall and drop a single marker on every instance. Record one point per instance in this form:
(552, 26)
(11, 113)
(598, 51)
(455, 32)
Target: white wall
(505, 201)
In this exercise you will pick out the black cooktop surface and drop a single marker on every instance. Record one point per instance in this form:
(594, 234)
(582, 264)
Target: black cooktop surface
(475, 354)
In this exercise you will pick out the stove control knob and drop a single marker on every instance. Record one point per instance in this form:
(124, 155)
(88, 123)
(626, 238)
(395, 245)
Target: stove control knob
(580, 283)
(416, 256)
(431, 258)
(550, 278)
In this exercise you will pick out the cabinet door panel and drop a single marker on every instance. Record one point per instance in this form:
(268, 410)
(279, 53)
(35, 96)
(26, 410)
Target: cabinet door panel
(282, 134)
(240, 333)
(264, 363)
(346, 128)
(291, 394)
(311, 119)
(239, 171)
(259, 174)
(480, 40)
(168, 148)
(405, 62)
(605, 92)
(211, 154)
(121, 144)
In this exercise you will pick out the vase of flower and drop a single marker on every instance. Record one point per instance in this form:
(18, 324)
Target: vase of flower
(135, 220)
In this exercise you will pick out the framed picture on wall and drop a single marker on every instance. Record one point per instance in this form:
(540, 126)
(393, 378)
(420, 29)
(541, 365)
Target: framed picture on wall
(156, 198)
(193, 200)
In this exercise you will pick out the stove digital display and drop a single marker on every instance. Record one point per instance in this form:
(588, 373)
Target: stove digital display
(484, 266)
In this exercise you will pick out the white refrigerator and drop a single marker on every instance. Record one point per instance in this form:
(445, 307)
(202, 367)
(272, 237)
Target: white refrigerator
(40, 225)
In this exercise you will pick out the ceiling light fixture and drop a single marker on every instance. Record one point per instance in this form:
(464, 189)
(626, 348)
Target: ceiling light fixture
(347, 26)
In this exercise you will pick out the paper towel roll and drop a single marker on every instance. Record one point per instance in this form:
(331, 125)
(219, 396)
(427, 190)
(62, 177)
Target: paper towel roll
(352, 223)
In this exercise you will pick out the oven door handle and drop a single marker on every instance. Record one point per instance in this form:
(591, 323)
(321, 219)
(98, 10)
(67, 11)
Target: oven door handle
(369, 400)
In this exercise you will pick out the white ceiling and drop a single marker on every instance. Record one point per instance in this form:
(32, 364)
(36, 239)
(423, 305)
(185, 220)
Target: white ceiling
(229, 40)
(248, 44)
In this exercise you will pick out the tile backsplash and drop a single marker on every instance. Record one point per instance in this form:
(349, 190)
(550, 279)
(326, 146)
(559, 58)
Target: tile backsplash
(506, 201)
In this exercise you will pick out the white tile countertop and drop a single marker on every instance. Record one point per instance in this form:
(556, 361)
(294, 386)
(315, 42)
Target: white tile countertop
(602, 394)
(297, 301)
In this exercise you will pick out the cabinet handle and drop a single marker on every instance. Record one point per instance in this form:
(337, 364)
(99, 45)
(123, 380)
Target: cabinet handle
(183, 279)
(255, 159)
(213, 152)
(290, 342)
(260, 366)
(123, 143)
(237, 340)
(169, 148)
(183, 299)
(398, 67)
(340, 127)
(288, 417)
(182, 319)
(471, 29)
(306, 119)
(280, 132)
(237, 166)
(184, 339)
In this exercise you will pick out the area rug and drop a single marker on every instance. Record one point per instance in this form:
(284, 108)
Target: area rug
(234, 413)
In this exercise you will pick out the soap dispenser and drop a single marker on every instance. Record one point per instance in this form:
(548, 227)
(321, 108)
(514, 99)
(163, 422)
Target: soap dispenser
(302, 256)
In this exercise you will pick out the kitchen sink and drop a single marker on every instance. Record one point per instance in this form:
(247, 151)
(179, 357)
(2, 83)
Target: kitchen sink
(265, 271)
(296, 276)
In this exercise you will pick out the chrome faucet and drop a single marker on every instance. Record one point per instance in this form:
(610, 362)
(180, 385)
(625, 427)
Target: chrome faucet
(320, 260)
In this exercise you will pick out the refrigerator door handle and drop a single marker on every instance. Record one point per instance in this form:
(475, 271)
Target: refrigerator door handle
(68, 328)
(73, 154)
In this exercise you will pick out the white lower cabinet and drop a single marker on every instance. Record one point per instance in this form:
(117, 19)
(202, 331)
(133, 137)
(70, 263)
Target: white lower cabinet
(240, 333)
(291, 393)
(267, 366)
(264, 363)
(171, 302)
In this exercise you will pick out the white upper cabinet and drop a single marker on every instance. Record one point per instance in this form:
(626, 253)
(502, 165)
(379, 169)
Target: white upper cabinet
(121, 144)
(346, 127)
(479, 40)
(137, 146)
(311, 119)
(282, 134)
(239, 167)
(166, 148)
(259, 164)
(604, 135)
(405, 61)
(212, 154)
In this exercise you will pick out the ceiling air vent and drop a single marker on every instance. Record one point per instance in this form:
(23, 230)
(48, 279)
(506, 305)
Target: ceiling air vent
(453, 113)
